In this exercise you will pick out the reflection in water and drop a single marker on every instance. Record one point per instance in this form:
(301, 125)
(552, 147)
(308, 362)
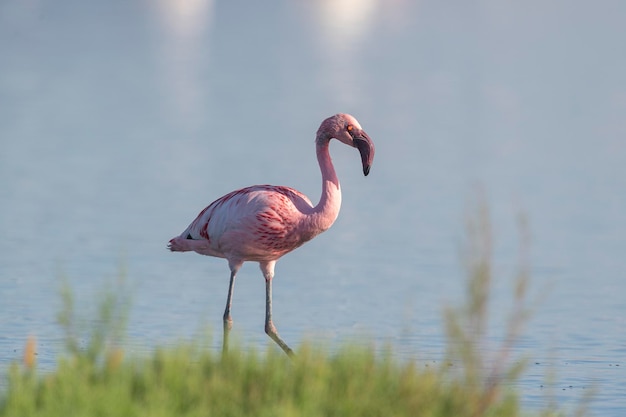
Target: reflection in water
(343, 25)
(185, 18)
(184, 49)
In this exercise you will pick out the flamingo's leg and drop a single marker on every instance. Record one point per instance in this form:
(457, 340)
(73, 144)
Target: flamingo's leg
(228, 320)
(270, 329)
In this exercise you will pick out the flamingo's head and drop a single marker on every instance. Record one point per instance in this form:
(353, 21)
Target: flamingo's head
(347, 129)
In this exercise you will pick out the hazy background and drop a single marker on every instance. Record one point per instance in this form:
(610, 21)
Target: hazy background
(121, 120)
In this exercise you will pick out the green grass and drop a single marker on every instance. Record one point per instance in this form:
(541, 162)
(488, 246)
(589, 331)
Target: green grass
(191, 381)
(97, 379)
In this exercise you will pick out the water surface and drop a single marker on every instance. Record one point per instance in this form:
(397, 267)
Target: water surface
(120, 121)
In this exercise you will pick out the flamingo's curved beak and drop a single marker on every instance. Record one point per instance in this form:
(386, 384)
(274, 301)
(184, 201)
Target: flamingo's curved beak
(366, 148)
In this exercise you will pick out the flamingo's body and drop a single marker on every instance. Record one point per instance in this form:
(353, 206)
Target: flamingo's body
(264, 222)
(258, 223)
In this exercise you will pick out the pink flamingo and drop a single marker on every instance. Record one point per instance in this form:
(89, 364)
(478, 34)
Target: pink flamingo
(264, 222)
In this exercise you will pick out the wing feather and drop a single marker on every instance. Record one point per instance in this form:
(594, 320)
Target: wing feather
(253, 223)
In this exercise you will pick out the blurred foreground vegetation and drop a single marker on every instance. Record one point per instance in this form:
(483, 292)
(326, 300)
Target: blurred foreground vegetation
(96, 378)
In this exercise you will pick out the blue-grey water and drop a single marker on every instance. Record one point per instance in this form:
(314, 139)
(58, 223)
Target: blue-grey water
(121, 120)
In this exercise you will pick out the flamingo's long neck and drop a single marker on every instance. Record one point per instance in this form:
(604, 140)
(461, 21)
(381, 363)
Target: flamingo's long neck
(327, 210)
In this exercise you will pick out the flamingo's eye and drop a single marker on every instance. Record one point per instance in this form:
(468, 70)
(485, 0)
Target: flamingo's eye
(349, 128)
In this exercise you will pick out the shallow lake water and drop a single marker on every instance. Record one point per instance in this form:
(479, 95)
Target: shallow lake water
(121, 120)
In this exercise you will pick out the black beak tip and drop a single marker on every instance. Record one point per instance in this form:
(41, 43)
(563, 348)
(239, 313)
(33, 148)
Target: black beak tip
(366, 148)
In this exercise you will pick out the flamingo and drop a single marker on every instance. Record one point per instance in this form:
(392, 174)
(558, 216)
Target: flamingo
(261, 223)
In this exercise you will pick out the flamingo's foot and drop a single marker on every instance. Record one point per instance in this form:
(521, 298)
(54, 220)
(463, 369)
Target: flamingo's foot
(270, 330)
